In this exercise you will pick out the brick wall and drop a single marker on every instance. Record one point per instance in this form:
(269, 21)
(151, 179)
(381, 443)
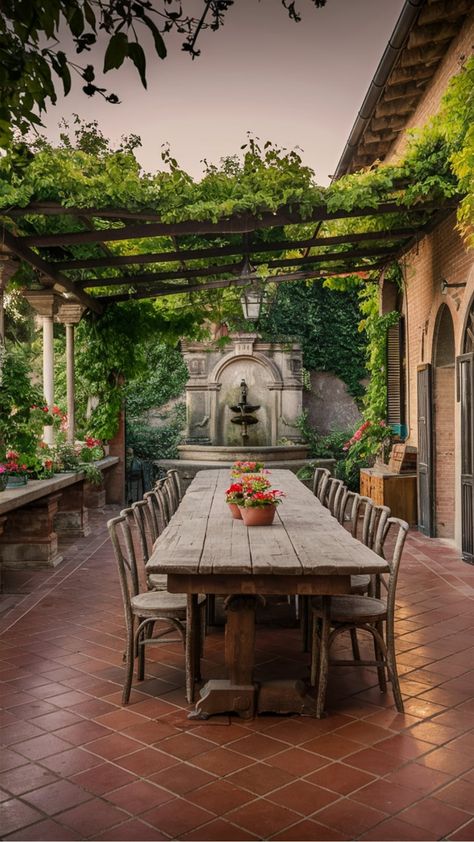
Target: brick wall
(440, 255)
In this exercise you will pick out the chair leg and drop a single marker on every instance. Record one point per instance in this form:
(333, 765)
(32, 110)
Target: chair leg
(355, 645)
(324, 663)
(379, 657)
(392, 672)
(315, 652)
(130, 659)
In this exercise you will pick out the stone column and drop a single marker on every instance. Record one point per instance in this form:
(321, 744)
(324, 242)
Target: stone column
(70, 315)
(45, 304)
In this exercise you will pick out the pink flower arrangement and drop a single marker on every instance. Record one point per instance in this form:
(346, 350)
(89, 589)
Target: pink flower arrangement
(239, 468)
(259, 499)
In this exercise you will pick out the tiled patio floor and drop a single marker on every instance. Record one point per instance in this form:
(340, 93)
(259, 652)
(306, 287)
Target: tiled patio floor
(76, 765)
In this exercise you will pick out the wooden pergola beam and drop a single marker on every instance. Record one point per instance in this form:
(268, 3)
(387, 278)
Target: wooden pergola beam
(177, 289)
(60, 282)
(235, 268)
(240, 224)
(214, 251)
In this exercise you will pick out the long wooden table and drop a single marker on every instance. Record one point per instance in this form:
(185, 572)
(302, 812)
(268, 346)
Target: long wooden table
(305, 552)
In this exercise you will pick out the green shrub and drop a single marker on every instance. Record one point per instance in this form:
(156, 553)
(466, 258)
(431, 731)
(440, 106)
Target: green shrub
(151, 443)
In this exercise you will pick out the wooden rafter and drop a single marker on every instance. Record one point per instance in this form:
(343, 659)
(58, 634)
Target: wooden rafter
(235, 268)
(238, 224)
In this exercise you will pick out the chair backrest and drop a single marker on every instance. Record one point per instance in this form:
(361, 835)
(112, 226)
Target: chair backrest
(377, 528)
(332, 486)
(338, 498)
(397, 531)
(164, 487)
(347, 506)
(171, 490)
(158, 510)
(174, 476)
(361, 518)
(124, 551)
(322, 487)
(318, 475)
(142, 520)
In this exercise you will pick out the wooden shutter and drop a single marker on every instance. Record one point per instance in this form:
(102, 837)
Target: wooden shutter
(425, 451)
(465, 390)
(395, 379)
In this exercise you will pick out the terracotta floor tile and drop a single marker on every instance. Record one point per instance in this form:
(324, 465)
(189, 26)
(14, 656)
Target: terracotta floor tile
(92, 708)
(19, 732)
(35, 709)
(364, 732)
(177, 817)
(103, 778)
(91, 818)
(260, 778)
(138, 796)
(310, 830)
(419, 777)
(115, 745)
(182, 778)
(45, 831)
(70, 762)
(350, 817)
(149, 732)
(24, 778)
(297, 761)
(263, 817)
(10, 760)
(146, 761)
(333, 746)
(120, 719)
(221, 761)
(219, 797)
(14, 814)
(340, 778)
(433, 732)
(57, 719)
(405, 746)
(386, 795)
(452, 762)
(186, 745)
(375, 761)
(434, 817)
(43, 746)
(258, 746)
(458, 794)
(303, 796)
(56, 797)
(130, 831)
(217, 831)
(395, 830)
(464, 833)
(82, 733)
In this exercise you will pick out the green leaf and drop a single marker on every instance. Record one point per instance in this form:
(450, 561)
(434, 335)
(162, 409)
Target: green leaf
(76, 22)
(159, 43)
(135, 52)
(116, 51)
(89, 15)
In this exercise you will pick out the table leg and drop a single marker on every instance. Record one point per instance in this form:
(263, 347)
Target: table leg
(323, 656)
(237, 693)
(192, 645)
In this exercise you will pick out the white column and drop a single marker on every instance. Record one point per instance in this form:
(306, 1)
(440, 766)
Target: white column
(70, 381)
(48, 371)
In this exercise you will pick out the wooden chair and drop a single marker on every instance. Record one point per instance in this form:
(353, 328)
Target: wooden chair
(365, 613)
(373, 537)
(158, 511)
(332, 488)
(319, 474)
(141, 515)
(143, 609)
(173, 474)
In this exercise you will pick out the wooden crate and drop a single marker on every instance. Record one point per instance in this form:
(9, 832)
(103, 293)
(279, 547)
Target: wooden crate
(398, 491)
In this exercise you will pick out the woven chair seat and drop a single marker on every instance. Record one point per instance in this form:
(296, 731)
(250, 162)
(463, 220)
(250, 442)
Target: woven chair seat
(360, 584)
(347, 609)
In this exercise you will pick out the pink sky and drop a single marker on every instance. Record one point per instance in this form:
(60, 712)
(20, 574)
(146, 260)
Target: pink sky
(295, 84)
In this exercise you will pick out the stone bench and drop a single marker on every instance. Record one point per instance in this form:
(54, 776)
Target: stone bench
(33, 516)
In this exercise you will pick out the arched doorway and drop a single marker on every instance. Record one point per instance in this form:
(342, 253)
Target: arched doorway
(444, 401)
(465, 375)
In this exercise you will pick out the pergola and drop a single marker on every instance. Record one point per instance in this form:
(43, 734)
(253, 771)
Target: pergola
(277, 240)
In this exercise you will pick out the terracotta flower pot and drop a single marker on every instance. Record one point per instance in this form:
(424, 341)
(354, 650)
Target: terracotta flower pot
(235, 511)
(258, 515)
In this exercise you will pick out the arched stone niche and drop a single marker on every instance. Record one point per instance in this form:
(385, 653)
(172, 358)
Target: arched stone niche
(272, 372)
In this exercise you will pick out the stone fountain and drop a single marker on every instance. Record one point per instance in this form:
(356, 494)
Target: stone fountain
(224, 422)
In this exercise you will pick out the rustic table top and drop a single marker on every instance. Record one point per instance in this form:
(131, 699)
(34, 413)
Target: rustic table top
(202, 537)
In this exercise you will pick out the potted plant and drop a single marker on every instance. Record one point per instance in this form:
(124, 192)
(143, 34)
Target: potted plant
(16, 470)
(234, 498)
(259, 507)
(240, 468)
